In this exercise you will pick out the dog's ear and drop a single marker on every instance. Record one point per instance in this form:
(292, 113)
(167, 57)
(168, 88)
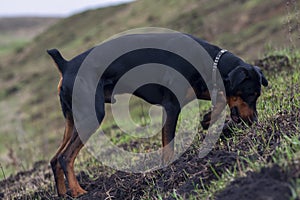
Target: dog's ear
(263, 79)
(237, 76)
(58, 59)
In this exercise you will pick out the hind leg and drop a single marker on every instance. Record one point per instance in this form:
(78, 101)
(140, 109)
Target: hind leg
(67, 157)
(66, 160)
(56, 168)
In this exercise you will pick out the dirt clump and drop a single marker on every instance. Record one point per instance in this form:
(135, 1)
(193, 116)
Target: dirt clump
(270, 183)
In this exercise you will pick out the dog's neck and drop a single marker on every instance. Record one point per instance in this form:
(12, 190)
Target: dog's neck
(228, 62)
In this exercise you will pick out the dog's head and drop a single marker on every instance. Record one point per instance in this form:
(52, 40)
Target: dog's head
(243, 89)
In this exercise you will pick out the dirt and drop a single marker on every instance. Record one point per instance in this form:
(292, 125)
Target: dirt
(17, 186)
(182, 175)
(270, 183)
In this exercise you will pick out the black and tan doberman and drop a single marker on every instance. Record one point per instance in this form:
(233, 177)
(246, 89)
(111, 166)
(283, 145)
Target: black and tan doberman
(242, 83)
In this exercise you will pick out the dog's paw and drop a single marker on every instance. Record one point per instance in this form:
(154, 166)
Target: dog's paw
(205, 125)
(227, 128)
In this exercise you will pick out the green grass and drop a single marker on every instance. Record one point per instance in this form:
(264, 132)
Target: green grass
(11, 45)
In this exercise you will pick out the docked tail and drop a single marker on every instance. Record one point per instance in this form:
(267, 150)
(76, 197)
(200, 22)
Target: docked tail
(58, 59)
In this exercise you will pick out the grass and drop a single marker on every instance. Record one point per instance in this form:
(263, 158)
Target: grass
(11, 45)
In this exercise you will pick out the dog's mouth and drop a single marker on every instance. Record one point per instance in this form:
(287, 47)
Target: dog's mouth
(236, 117)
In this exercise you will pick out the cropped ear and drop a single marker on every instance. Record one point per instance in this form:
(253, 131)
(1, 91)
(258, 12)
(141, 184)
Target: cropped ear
(264, 81)
(237, 76)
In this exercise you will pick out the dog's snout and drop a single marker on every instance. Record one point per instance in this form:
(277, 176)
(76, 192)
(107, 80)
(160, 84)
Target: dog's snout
(237, 117)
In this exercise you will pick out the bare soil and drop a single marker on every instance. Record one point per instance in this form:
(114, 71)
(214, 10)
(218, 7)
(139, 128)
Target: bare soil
(270, 183)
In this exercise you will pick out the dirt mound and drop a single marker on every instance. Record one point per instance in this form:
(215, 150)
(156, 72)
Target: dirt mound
(19, 185)
(182, 176)
(270, 183)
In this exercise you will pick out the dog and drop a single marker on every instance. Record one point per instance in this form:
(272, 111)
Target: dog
(242, 83)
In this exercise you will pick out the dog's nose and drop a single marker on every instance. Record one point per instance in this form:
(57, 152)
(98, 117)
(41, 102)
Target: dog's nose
(234, 113)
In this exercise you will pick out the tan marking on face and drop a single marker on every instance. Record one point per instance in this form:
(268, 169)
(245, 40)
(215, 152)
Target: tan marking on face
(245, 111)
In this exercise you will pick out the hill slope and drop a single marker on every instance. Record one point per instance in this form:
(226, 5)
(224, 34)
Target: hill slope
(31, 121)
(15, 32)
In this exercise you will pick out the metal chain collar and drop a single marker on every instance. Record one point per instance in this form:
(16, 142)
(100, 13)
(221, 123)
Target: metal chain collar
(214, 77)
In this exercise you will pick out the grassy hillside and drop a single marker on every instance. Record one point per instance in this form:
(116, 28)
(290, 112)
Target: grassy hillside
(31, 121)
(16, 32)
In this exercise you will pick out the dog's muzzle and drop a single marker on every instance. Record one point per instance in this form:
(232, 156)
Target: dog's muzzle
(236, 117)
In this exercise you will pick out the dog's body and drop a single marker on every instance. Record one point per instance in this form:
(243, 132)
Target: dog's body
(242, 83)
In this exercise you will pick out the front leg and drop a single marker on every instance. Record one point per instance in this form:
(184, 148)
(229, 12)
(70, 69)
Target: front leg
(170, 117)
(206, 120)
(212, 116)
